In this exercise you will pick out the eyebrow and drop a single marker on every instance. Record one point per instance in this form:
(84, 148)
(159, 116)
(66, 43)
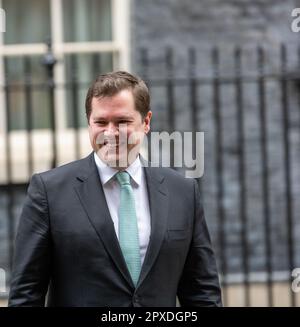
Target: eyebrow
(117, 118)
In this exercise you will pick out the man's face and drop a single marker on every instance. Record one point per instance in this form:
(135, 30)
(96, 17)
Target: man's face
(117, 129)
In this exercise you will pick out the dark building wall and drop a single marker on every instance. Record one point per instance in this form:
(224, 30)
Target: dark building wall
(205, 22)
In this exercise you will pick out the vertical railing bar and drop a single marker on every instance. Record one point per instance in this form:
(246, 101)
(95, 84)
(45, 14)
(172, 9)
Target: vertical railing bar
(265, 172)
(144, 55)
(170, 98)
(52, 122)
(144, 59)
(298, 86)
(287, 165)
(219, 167)
(241, 170)
(74, 90)
(10, 193)
(49, 62)
(192, 60)
(28, 111)
(95, 66)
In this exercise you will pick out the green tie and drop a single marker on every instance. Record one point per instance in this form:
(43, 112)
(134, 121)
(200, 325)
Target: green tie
(128, 229)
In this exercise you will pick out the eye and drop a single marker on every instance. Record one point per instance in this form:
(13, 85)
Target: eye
(100, 122)
(123, 121)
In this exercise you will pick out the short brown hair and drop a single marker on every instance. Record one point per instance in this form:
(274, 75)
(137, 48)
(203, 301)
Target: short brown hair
(109, 84)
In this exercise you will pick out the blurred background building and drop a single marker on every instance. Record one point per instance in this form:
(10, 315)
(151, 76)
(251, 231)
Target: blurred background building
(228, 68)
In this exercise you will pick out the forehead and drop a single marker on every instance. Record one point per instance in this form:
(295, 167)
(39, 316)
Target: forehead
(123, 100)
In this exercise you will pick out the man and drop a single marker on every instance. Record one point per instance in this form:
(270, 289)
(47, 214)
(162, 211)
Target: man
(109, 231)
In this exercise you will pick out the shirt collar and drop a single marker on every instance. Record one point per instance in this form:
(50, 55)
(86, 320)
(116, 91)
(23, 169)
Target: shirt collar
(107, 173)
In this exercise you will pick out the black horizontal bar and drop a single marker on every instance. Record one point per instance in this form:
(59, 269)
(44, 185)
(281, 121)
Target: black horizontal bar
(14, 87)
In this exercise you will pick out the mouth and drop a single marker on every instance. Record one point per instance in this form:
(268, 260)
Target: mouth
(109, 144)
(112, 146)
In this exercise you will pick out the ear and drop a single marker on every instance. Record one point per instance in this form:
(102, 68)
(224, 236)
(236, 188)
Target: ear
(147, 120)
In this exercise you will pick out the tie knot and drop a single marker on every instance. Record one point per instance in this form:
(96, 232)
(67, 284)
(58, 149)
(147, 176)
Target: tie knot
(123, 178)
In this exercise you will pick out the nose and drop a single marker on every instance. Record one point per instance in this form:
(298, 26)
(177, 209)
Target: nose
(111, 128)
(111, 132)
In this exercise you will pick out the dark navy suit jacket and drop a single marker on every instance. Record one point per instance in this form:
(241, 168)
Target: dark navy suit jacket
(67, 252)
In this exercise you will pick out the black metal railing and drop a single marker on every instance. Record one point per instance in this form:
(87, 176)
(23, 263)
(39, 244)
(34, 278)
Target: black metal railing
(238, 80)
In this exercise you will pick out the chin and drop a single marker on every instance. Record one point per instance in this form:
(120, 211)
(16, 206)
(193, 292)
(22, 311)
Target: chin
(118, 158)
(116, 163)
(115, 160)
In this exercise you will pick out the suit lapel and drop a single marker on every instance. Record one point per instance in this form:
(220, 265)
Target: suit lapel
(158, 203)
(92, 198)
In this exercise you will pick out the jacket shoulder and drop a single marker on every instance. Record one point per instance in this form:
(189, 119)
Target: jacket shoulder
(173, 177)
(66, 171)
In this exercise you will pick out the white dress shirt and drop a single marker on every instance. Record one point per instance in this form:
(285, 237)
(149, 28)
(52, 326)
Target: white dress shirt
(111, 189)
